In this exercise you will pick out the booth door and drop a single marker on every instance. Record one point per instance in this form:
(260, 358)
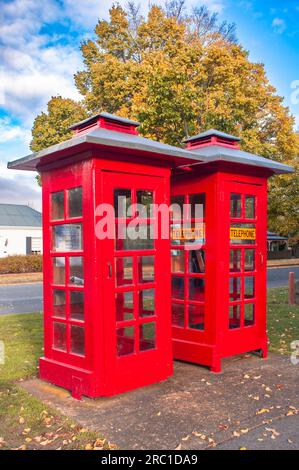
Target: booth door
(245, 318)
(137, 326)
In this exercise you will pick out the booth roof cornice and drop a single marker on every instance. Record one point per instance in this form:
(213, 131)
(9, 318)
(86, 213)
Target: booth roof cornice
(113, 140)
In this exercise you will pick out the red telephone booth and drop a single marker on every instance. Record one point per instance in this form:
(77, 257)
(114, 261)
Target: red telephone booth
(219, 260)
(107, 319)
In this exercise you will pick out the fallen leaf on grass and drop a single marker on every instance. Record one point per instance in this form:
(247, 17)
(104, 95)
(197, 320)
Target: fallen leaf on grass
(83, 430)
(2, 441)
(46, 442)
(262, 411)
(26, 430)
(223, 427)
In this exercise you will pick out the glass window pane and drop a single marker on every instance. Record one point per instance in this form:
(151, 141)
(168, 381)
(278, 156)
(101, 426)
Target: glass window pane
(77, 340)
(124, 305)
(235, 261)
(197, 289)
(249, 290)
(196, 261)
(147, 302)
(235, 288)
(249, 310)
(59, 337)
(146, 199)
(178, 315)
(176, 210)
(249, 260)
(147, 336)
(77, 305)
(146, 269)
(75, 202)
(196, 316)
(178, 287)
(138, 238)
(124, 271)
(177, 261)
(125, 341)
(59, 270)
(59, 303)
(67, 237)
(57, 205)
(76, 270)
(122, 203)
(250, 207)
(235, 205)
(234, 316)
(198, 205)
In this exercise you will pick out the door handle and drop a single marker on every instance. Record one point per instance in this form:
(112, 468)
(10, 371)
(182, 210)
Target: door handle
(109, 265)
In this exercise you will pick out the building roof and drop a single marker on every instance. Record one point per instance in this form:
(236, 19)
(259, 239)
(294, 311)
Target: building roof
(136, 145)
(211, 133)
(271, 236)
(15, 215)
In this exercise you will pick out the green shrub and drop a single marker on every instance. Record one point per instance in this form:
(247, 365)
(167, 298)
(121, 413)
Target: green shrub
(21, 264)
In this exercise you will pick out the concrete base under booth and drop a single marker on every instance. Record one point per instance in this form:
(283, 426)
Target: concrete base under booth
(82, 382)
(207, 355)
(78, 381)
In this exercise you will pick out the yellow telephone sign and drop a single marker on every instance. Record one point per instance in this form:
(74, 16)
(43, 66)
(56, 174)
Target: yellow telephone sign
(191, 233)
(239, 233)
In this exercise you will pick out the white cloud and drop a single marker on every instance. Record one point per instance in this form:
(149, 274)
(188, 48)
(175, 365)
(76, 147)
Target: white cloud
(33, 69)
(19, 189)
(9, 131)
(214, 6)
(279, 25)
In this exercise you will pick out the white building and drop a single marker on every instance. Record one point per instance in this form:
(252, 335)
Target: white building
(20, 230)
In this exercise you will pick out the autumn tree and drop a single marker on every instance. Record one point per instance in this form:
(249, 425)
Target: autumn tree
(52, 127)
(179, 74)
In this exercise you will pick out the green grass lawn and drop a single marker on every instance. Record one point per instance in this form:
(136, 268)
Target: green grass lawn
(283, 321)
(26, 422)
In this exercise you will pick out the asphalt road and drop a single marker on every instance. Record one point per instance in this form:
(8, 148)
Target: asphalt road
(26, 298)
(279, 277)
(21, 298)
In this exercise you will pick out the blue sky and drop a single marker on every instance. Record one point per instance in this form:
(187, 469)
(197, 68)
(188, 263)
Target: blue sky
(39, 53)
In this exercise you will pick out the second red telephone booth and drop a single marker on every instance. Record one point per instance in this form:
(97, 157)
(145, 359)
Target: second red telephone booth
(219, 255)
